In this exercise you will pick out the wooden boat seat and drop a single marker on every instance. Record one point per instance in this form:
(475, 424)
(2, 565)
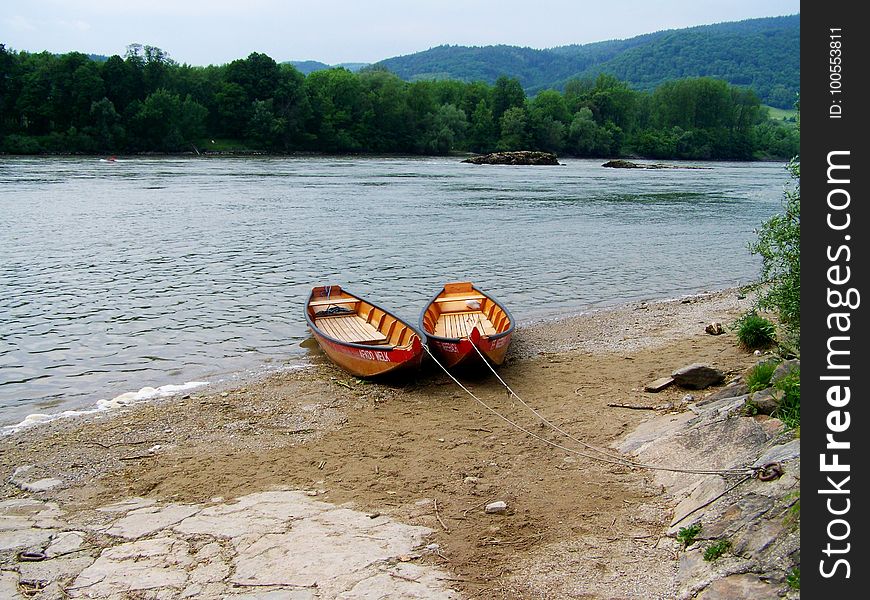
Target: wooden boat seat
(460, 298)
(460, 324)
(350, 328)
(330, 301)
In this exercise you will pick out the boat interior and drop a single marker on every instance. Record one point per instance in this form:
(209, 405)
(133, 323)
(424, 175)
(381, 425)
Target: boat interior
(459, 308)
(344, 317)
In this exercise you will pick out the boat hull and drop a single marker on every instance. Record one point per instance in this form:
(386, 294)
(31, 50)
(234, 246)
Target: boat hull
(360, 337)
(371, 361)
(456, 353)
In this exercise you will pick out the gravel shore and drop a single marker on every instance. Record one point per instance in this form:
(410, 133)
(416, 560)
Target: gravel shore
(395, 448)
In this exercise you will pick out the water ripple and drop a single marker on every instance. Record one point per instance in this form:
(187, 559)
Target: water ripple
(149, 271)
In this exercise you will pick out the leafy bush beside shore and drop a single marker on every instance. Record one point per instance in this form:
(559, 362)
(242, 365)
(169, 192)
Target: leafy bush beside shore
(778, 245)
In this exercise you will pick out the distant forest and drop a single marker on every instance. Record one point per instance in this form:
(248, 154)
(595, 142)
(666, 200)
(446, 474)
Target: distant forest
(146, 102)
(762, 54)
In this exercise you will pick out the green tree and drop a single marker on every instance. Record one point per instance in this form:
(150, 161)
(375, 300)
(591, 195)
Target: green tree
(548, 121)
(507, 94)
(390, 124)
(446, 130)
(583, 134)
(778, 245)
(337, 109)
(122, 81)
(482, 133)
(164, 122)
(232, 110)
(613, 101)
(106, 129)
(291, 106)
(514, 130)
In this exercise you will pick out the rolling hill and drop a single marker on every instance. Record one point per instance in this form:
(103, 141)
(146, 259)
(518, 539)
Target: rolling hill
(763, 54)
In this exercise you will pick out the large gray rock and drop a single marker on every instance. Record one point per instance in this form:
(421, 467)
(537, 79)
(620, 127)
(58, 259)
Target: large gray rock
(766, 400)
(521, 157)
(697, 376)
(785, 368)
(739, 587)
(732, 390)
(781, 453)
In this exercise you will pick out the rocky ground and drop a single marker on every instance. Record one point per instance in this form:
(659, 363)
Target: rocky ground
(314, 484)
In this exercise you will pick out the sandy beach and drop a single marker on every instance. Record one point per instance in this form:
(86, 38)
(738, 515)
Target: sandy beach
(422, 452)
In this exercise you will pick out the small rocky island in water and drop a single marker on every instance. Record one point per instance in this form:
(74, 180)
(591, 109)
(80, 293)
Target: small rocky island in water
(522, 157)
(627, 164)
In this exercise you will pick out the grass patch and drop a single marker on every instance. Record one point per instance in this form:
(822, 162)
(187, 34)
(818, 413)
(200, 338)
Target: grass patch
(793, 579)
(716, 549)
(223, 145)
(781, 114)
(789, 409)
(754, 332)
(792, 518)
(686, 536)
(760, 375)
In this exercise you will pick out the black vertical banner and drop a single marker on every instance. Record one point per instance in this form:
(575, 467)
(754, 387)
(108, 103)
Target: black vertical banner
(835, 425)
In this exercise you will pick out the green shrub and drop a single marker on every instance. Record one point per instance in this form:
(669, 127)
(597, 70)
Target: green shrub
(789, 409)
(779, 247)
(794, 579)
(716, 549)
(20, 144)
(755, 332)
(759, 376)
(686, 535)
(792, 518)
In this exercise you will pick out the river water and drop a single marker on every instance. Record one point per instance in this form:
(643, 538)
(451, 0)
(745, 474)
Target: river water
(157, 271)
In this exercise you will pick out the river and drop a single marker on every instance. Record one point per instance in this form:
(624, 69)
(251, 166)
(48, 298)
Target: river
(155, 271)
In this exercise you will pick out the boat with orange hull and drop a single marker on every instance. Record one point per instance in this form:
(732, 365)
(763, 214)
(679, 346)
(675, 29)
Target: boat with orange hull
(461, 317)
(360, 337)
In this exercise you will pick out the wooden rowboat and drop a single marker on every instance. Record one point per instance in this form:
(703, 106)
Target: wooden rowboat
(461, 317)
(360, 337)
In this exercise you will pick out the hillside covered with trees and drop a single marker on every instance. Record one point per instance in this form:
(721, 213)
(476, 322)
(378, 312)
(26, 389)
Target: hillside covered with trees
(762, 54)
(146, 102)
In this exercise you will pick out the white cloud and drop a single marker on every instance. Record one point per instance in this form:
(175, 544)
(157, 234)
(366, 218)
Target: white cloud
(76, 26)
(19, 23)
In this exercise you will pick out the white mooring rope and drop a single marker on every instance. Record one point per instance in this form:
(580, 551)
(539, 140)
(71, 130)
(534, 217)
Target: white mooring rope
(606, 456)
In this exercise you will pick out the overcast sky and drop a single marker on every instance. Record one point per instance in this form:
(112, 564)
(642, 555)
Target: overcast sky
(202, 32)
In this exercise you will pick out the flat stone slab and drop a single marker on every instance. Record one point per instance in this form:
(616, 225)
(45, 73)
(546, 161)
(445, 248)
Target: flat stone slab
(723, 406)
(65, 543)
(658, 385)
(269, 546)
(738, 587)
(144, 521)
(782, 453)
(19, 539)
(9, 586)
(732, 390)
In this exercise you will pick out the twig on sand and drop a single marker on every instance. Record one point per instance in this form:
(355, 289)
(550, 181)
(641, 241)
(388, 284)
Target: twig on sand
(276, 585)
(411, 579)
(471, 508)
(631, 406)
(112, 445)
(437, 516)
(138, 456)
(460, 580)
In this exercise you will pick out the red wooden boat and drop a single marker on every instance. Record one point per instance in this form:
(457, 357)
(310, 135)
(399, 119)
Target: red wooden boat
(461, 317)
(360, 337)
